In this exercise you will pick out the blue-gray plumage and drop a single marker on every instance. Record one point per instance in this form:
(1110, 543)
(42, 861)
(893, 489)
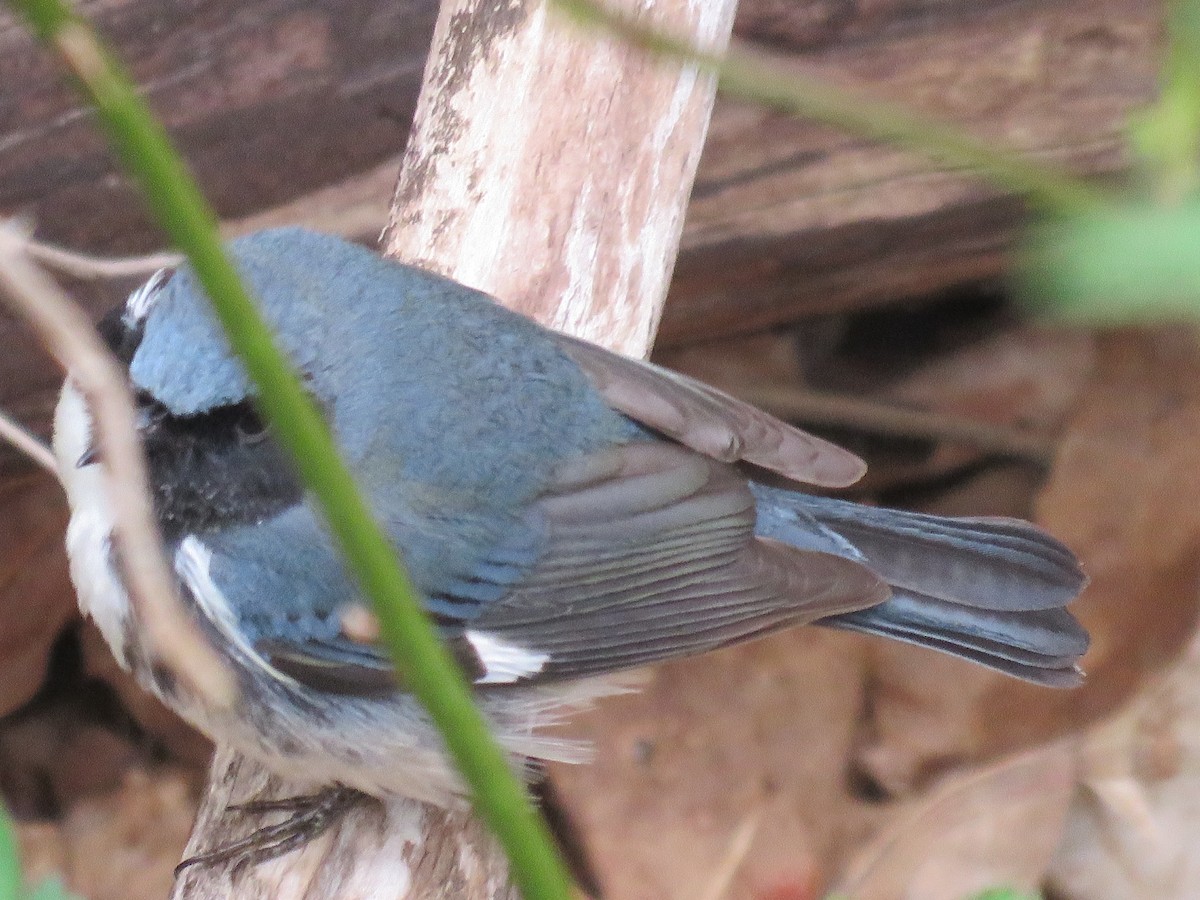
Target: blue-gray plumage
(563, 511)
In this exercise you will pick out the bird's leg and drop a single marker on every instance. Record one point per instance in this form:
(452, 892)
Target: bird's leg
(311, 815)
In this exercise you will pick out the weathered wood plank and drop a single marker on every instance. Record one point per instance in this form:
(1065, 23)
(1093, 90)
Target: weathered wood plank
(787, 219)
(268, 99)
(790, 218)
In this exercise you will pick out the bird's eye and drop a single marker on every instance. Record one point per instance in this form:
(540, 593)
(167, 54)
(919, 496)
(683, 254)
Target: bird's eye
(250, 429)
(150, 413)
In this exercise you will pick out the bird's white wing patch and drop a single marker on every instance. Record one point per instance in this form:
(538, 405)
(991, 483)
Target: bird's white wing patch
(504, 663)
(193, 562)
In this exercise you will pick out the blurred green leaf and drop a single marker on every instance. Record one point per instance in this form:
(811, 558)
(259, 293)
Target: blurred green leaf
(1167, 135)
(10, 863)
(1125, 264)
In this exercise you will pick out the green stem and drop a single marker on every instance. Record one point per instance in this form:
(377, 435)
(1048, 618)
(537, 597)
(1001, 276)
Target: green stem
(757, 79)
(420, 657)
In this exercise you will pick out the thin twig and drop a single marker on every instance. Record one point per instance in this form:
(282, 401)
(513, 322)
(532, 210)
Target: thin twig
(735, 854)
(820, 408)
(12, 432)
(69, 337)
(94, 268)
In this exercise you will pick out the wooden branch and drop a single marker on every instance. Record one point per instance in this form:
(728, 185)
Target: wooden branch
(398, 851)
(568, 202)
(565, 199)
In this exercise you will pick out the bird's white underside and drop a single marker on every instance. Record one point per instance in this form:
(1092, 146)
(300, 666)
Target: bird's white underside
(89, 533)
(98, 588)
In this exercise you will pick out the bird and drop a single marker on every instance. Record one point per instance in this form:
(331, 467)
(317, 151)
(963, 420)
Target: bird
(565, 514)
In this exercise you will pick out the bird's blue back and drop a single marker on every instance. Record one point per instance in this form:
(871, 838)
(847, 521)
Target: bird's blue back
(395, 355)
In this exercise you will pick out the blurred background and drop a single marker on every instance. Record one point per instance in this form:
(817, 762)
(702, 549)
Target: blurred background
(853, 288)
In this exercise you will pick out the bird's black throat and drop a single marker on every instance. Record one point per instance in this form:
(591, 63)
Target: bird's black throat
(216, 469)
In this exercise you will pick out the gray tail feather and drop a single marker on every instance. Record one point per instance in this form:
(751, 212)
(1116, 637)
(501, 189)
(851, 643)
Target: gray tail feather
(988, 563)
(1042, 646)
(990, 590)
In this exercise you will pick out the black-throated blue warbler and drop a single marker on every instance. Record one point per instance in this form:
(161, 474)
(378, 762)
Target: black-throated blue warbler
(564, 512)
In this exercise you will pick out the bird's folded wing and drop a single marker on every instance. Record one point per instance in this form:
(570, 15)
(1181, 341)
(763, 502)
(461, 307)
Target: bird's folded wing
(710, 421)
(278, 592)
(275, 592)
(651, 554)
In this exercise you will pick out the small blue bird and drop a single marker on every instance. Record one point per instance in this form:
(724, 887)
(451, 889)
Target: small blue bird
(563, 511)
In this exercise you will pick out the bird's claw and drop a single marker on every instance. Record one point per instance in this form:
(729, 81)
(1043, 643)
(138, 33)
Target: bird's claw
(311, 815)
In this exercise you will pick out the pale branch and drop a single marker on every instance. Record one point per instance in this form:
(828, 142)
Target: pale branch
(13, 433)
(735, 854)
(94, 268)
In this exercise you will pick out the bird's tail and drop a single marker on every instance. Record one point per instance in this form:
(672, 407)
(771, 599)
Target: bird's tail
(991, 590)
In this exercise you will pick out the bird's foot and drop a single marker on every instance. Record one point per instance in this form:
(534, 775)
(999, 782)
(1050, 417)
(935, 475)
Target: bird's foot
(309, 817)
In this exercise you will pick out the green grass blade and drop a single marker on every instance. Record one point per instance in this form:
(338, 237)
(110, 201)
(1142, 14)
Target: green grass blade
(420, 658)
(761, 81)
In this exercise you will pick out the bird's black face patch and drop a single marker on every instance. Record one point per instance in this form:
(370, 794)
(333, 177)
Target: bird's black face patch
(214, 469)
(209, 470)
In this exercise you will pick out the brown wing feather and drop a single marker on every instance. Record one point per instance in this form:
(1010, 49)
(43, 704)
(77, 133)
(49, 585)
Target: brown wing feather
(709, 421)
(652, 555)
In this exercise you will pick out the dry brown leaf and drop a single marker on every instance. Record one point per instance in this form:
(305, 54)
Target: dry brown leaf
(998, 826)
(51, 759)
(1123, 495)
(1132, 829)
(43, 850)
(36, 599)
(1027, 377)
(761, 729)
(1019, 381)
(121, 845)
(124, 845)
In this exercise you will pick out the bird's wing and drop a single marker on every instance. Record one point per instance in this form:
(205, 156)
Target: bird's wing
(648, 553)
(278, 592)
(651, 554)
(275, 592)
(710, 421)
